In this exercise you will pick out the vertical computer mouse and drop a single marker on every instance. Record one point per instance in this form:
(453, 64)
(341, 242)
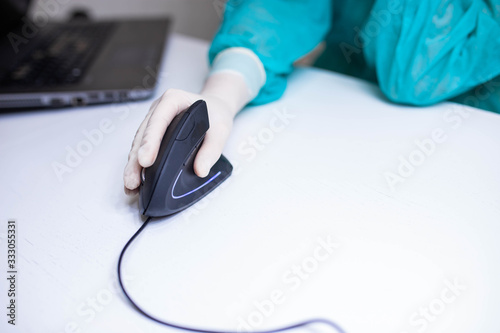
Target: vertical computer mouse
(170, 184)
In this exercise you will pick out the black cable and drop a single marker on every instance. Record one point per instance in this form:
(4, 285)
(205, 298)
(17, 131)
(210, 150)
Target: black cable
(191, 329)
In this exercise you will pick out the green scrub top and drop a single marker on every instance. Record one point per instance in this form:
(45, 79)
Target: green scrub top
(418, 52)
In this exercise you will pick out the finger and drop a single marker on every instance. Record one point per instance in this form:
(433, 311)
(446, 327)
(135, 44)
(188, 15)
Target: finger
(131, 192)
(171, 104)
(131, 174)
(210, 150)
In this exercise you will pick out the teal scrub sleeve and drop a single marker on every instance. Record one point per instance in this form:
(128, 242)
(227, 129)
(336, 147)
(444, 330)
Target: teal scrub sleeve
(429, 51)
(485, 96)
(279, 32)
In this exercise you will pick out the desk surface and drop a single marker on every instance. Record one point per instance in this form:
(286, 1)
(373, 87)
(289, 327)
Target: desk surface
(379, 217)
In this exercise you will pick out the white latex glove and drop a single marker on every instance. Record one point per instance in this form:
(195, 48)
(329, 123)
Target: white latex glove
(225, 94)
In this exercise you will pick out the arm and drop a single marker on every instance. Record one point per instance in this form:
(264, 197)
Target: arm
(251, 55)
(430, 51)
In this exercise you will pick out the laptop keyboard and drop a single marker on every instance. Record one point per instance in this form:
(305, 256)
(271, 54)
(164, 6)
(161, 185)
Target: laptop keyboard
(62, 57)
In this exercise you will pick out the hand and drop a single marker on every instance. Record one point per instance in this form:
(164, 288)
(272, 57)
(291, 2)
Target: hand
(224, 96)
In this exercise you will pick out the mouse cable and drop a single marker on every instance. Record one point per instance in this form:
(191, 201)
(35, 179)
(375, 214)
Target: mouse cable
(199, 330)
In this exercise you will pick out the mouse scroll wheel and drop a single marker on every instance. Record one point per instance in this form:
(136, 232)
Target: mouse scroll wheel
(143, 175)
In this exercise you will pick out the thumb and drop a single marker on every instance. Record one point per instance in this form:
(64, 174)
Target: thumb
(210, 150)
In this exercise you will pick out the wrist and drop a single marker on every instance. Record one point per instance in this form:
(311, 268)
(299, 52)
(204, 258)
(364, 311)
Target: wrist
(240, 71)
(228, 88)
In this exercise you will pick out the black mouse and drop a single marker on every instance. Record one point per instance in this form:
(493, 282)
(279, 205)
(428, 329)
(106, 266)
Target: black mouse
(170, 184)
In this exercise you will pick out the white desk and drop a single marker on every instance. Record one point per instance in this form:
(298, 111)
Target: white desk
(319, 174)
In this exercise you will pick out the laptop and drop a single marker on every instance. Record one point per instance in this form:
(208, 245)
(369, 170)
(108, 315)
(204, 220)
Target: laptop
(76, 63)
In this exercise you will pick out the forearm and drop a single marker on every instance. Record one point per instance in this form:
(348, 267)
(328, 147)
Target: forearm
(277, 32)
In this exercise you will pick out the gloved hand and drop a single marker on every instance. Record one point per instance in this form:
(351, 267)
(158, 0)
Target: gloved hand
(225, 94)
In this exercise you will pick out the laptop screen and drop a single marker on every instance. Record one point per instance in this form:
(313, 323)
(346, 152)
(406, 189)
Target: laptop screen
(11, 13)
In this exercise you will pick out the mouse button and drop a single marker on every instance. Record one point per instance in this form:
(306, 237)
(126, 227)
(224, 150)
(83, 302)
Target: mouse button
(146, 193)
(201, 116)
(175, 125)
(186, 129)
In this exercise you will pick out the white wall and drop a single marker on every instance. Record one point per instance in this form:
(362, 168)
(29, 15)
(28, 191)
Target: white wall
(198, 18)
